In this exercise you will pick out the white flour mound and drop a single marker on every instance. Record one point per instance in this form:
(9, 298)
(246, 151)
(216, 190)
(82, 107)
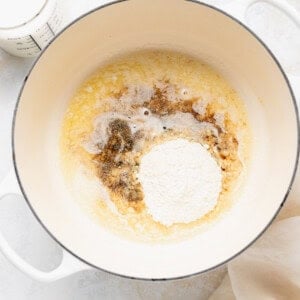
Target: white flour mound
(181, 181)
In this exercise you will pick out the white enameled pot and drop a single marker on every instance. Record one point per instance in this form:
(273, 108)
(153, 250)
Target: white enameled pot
(189, 26)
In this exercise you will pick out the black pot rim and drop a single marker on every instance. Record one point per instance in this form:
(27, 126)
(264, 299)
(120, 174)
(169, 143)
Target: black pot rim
(188, 275)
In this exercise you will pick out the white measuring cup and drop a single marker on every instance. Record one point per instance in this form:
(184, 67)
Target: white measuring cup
(26, 28)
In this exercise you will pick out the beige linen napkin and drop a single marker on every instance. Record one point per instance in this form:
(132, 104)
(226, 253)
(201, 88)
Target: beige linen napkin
(269, 269)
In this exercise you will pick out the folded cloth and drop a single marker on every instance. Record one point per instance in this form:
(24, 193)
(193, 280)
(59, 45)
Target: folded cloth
(269, 269)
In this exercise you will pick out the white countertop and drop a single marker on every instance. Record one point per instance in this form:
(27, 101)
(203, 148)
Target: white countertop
(29, 239)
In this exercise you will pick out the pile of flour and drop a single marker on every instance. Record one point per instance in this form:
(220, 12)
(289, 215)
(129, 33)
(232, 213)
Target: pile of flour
(181, 181)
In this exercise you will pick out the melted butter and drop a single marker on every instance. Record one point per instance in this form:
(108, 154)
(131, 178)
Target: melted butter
(146, 68)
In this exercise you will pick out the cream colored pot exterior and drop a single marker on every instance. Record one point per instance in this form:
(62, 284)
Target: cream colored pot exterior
(196, 29)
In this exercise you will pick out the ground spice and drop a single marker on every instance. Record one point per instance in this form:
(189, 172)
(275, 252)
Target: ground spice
(118, 165)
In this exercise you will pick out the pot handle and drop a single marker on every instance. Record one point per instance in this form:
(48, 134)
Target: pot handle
(239, 8)
(69, 264)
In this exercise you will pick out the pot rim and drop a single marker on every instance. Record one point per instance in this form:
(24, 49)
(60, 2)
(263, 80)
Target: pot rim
(192, 274)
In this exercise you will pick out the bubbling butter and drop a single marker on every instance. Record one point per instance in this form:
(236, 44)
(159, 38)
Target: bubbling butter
(145, 100)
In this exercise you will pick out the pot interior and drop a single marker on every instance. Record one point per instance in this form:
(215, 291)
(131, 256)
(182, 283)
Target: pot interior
(185, 26)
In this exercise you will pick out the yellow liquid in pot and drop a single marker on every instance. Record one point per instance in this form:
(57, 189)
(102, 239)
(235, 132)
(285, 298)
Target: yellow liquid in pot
(147, 68)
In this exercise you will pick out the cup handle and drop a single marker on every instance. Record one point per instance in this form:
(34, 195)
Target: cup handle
(69, 264)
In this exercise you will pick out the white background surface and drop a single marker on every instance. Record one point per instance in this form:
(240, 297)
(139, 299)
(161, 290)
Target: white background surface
(30, 240)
